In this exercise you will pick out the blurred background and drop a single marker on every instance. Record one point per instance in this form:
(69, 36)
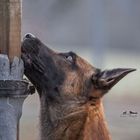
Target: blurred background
(107, 34)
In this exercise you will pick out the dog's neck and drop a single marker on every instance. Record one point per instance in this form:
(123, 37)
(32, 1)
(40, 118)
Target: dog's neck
(95, 126)
(73, 120)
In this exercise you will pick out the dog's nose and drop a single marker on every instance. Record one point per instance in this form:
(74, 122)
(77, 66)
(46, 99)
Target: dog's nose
(29, 35)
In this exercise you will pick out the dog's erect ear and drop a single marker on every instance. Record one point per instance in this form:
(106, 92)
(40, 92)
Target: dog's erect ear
(105, 80)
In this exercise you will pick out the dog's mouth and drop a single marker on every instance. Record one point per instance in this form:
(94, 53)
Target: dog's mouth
(33, 66)
(29, 47)
(30, 50)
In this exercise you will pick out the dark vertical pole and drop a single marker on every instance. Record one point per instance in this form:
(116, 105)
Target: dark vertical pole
(18, 130)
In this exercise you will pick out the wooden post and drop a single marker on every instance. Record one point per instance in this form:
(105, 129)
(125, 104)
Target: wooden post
(10, 27)
(13, 90)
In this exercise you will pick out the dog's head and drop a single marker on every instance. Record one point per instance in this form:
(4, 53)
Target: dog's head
(65, 74)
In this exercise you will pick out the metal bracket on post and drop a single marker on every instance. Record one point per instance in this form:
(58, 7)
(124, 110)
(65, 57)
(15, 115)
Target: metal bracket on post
(15, 89)
(13, 92)
(12, 88)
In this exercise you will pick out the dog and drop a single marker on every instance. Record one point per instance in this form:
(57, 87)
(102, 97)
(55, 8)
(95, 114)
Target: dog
(70, 91)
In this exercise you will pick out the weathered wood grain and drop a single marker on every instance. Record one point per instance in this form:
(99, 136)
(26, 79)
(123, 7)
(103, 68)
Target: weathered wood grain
(10, 27)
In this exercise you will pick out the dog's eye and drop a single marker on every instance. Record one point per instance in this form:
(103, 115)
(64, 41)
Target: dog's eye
(69, 58)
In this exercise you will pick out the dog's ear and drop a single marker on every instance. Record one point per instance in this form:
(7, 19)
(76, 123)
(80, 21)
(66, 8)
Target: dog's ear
(105, 80)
